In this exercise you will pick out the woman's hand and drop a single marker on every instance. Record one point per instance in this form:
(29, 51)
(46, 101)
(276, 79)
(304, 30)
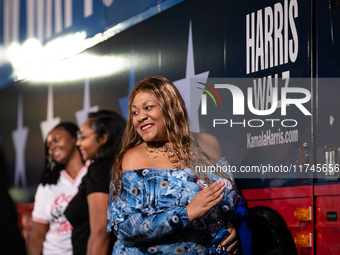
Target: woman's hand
(204, 200)
(232, 241)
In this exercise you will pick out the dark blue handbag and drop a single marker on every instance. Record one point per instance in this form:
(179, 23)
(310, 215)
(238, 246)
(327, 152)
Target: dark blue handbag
(239, 221)
(215, 247)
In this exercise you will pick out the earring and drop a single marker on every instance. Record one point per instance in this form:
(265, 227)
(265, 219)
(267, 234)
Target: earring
(51, 163)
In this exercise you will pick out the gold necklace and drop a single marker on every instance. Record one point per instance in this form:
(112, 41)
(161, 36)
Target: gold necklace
(167, 151)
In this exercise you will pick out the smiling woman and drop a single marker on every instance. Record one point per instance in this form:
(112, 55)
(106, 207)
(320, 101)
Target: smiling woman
(148, 118)
(157, 204)
(89, 142)
(99, 139)
(64, 169)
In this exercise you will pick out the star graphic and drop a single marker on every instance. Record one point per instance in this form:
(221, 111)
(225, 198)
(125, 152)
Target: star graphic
(19, 137)
(81, 115)
(124, 101)
(47, 125)
(192, 92)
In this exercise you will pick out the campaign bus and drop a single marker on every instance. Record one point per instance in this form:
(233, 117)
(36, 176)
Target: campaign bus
(261, 76)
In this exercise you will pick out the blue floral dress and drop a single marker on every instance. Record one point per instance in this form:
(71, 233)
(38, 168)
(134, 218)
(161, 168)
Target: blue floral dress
(150, 216)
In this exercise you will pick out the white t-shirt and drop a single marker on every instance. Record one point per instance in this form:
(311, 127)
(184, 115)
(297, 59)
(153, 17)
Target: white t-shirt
(49, 206)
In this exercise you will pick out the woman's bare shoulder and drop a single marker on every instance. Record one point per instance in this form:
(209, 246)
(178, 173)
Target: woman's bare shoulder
(133, 158)
(210, 145)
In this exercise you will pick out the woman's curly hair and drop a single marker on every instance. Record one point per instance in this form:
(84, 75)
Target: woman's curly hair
(176, 122)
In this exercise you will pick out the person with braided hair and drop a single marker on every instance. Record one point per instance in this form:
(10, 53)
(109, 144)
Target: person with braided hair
(64, 170)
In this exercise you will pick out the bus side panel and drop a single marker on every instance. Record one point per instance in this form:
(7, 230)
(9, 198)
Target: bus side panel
(327, 187)
(327, 218)
(270, 191)
(286, 201)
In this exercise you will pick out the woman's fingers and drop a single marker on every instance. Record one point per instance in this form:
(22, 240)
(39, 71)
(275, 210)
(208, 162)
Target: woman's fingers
(232, 236)
(233, 248)
(214, 193)
(229, 241)
(217, 196)
(214, 187)
(232, 240)
(205, 199)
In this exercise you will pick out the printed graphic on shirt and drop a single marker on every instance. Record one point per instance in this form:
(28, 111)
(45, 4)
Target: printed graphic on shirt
(57, 212)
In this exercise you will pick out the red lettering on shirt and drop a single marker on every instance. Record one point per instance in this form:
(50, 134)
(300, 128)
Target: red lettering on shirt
(62, 198)
(64, 226)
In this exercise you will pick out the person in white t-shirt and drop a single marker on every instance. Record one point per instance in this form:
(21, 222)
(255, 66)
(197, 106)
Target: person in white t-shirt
(64, 170)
